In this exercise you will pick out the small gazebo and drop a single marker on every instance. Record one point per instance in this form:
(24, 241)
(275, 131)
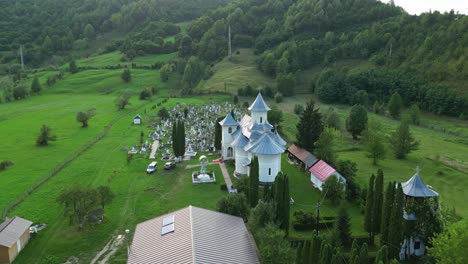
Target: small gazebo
(413, 189)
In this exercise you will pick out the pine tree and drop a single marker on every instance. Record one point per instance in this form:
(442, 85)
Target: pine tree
(382, 256)
(368, 224)
(402, 141)
(315, 249)
(326, 254)
(386, 211)
(395, 104)
(218, 133)
(181, 138)
(364, 254)
(378, 200)
(395, 235)
(343, 227)
(36, 86)
(310, 127)
(306, 252)
(354, 250)
(254, 182)
(282, 198)
(174, 138)
(299, 253)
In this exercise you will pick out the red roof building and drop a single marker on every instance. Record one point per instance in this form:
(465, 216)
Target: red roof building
(321, 171)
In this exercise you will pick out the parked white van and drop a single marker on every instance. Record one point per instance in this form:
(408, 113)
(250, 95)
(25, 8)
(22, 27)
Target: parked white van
(152, 167)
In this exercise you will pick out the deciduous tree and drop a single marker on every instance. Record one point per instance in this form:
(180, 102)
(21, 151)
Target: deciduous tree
(45, 135)
(36, 86)
(84, 117)
(333, 190)
(395, 104)
(357, 121)
(324, 146)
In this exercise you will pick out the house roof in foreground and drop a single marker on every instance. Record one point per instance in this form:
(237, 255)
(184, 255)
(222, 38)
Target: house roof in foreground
(198, 236)
(12, 229)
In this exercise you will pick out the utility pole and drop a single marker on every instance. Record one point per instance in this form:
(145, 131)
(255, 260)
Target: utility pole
(391, 46)
(229, 42)
(21, 55)
(318, 217)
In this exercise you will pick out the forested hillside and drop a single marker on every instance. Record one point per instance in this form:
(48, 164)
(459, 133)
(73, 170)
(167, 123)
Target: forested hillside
(421, 57)
(54, 28)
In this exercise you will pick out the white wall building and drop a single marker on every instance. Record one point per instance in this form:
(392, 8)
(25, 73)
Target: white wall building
(253, 136)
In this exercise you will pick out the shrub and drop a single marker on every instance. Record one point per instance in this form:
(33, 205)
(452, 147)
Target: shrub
(278, 97)
(304, 218)
(298, 109)
(146, 93)
(223, 187)
(4, 164)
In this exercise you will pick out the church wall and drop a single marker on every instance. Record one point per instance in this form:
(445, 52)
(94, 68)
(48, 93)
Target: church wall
(269, 166)
(241, 156)
(226, 141)
(259, 117)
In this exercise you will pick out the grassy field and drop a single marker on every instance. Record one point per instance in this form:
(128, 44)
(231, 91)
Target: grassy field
(442, 155)
(113, 59)
(230, 75)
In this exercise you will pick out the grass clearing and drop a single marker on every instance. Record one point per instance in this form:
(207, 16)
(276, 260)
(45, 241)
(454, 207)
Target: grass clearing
(113, 59)
(230, 75)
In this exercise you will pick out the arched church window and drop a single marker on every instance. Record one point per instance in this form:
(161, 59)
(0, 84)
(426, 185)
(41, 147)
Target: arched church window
(230, 130)
(269, 171)
(261, 120)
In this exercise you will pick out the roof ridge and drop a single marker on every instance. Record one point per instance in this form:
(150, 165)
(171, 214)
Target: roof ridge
(191, 234)
(7, 222)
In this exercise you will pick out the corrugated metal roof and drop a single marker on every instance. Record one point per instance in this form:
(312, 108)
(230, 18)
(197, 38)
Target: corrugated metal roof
(228, 121)
(239, 141)
(415, 187)
(303, 155)
(265, 145)
(221, 238)
(321, 170)
(12, 229)
(200, 236)
(259, 104)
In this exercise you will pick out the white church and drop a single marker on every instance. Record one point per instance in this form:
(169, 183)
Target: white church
(253, 136)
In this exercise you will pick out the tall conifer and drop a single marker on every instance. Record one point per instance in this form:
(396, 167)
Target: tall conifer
(386, 211)
(282, 198)
(378, 200)
(310, 127)
(368, 225)
(395, 234)
(254, 182)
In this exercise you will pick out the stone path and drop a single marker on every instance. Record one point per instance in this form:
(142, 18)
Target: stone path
(225, 175)
(109, 250)
(154, 148)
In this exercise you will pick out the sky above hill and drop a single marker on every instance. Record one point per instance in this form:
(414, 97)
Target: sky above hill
(416, 7)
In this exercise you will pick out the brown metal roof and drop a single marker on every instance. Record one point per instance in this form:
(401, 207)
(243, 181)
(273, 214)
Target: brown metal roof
(303, 155)
(200, 236)
(12, 229)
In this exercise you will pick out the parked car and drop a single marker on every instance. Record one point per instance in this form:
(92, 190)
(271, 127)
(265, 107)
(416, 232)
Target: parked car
(152, 167)
(169, 165)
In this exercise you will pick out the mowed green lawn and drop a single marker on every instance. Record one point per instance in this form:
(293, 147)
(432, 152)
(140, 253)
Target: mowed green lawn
(449, 181)
(138, 197)
(57, 107)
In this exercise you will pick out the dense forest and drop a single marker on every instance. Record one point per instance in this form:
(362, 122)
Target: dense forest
(51, 29)
(421, 57)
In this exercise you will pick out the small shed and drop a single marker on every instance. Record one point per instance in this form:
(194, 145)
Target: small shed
(302, 156)
(14, 235)
(321, 171)
(137, 120)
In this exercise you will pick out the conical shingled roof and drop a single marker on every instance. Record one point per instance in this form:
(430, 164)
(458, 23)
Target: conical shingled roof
(265, 145)
(259, 105)
(279, 139)
(415, 187)
(239, 141)
(228, 121)
(261, 127)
